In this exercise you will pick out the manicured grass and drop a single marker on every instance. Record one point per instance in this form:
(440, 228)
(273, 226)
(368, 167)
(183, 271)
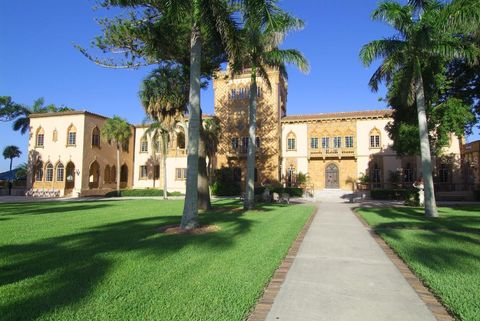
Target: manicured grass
(105, 260)
(443, 252)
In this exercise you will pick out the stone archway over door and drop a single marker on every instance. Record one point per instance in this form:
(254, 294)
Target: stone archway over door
(332, 177)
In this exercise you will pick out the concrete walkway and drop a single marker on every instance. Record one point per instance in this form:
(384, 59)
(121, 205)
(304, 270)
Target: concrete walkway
(341, 274)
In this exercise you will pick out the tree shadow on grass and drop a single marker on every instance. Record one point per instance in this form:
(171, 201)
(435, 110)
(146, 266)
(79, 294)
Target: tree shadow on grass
(413, 218)
(440, 251)
(41, 277)
(13, 209)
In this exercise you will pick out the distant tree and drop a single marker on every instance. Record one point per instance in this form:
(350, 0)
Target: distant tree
(20, 114)
(265, 27)
(423, 40)
(11, 152)
(117, 130)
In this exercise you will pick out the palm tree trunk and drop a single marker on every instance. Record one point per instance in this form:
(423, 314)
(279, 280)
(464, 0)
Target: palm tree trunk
(249, 201)
(190, 209)
(204, 202)
(154, 167)
(10, 180)
(430, 203)
(118, 170)
(164, 163)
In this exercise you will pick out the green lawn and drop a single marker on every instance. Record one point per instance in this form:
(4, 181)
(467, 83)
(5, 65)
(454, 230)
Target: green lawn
(105, 260)
(443, 252)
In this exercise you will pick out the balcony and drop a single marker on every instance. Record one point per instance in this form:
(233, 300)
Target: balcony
(332, 153)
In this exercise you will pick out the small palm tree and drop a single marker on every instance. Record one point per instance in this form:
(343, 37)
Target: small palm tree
(211, 133)
(11, 152)
(117, 130)
(265, 27)
(159, 132)
(422, 38)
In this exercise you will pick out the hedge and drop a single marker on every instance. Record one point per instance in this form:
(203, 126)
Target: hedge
(394, 194)
(141, 192)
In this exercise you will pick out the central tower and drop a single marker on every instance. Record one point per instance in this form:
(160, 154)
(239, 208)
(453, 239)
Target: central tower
(231, 107)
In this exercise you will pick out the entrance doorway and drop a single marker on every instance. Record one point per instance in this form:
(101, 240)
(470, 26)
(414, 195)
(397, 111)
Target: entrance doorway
(70, 178)
(332, 177)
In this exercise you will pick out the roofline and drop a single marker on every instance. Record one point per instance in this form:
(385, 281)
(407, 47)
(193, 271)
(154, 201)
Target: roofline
(66, 113)
(185, 118)
(361, 114)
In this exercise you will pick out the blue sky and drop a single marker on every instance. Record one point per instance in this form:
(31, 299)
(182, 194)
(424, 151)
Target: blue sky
(37, 59)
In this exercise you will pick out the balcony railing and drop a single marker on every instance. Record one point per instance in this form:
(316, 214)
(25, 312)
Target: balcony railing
(332, 152)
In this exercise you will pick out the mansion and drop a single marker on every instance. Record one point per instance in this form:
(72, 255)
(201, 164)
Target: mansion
(335, 150)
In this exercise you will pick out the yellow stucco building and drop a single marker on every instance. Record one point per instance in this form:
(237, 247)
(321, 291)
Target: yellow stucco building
(68, 154)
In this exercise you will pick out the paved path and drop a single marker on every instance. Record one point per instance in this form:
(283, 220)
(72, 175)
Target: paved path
(341, 274)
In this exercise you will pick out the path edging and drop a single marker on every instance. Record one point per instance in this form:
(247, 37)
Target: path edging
(265, 303)
(431, 301)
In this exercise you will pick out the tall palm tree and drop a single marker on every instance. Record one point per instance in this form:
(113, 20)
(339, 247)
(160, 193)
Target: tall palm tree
(265, 27)
(117, 130)
(11, 152)
(423, 38)
(156, 35)
(214, 15)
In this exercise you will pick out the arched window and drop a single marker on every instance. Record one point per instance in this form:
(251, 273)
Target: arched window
(71, 135)
(40, 137)
(107, 176)
(96, 137)
(49, 173)
(113, 174)
(375, 138)
(144, 145)
(181, 140)
(60, 172)
(291, 141)
(38, 169)
(124, 174)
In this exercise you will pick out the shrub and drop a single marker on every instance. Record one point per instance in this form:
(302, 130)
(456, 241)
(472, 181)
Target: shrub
(224, 184)
(220, 188)
(476, 195)
(141, 192)
(292, 191)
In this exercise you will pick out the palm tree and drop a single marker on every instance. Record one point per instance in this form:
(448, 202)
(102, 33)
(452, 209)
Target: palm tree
(422, 39)
(265, 27)
(22, 113)
(11, 152)
(117, 130)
